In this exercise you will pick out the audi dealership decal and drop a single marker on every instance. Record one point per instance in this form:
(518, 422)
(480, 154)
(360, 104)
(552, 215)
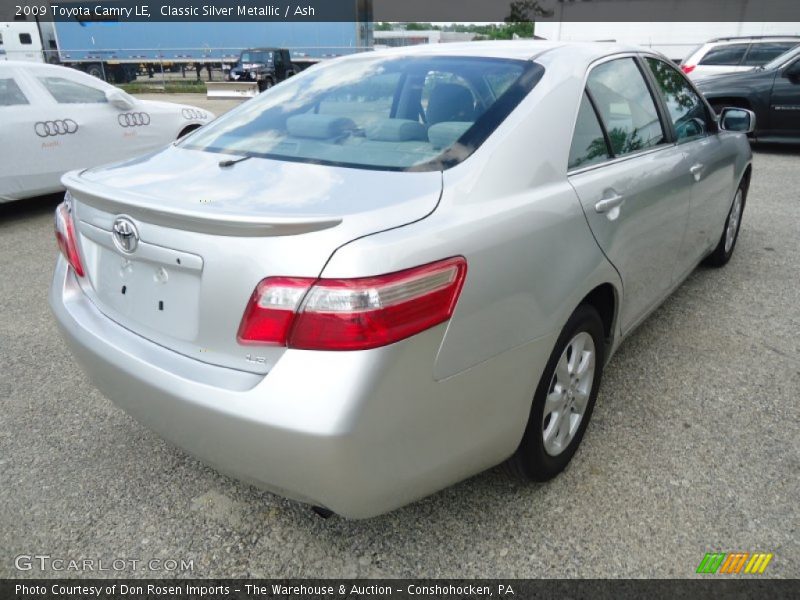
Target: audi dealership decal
(62, 136)
(57, 127)
(193, 113)
(134, 119)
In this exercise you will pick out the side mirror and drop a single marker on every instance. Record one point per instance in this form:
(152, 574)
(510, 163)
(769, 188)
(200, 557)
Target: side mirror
(737, 119)
(793, 71)
(119, 99)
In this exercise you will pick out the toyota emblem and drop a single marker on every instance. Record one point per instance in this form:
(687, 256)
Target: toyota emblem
(126, 237)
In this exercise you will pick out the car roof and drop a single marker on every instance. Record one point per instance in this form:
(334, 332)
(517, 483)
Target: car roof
(516, 49)
(29, 66)
(755, 39)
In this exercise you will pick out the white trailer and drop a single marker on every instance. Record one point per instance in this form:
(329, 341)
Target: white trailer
(676, 40)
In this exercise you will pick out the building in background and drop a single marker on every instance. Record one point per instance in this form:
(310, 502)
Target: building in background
(401, 37)
(676, 40)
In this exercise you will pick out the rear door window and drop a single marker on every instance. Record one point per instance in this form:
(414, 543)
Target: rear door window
(588, 142)
(729, 55)
(10, 94)
(761, 54)
(687, 111)
(66, 91)
(626, 106)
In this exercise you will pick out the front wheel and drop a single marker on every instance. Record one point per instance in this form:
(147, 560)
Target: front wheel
(564, 399)
(727, 242)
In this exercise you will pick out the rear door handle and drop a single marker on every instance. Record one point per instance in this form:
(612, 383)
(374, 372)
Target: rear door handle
(609, 203)
(697, 171)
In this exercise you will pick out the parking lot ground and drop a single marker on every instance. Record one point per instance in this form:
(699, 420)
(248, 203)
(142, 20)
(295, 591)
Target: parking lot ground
(694, 447)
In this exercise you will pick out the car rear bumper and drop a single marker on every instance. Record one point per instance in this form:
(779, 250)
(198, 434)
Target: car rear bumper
(360, 433)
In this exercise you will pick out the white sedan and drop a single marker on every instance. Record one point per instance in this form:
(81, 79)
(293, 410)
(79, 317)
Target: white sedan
(55, 119)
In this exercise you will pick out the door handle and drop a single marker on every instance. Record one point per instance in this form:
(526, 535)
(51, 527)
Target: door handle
(609, 203)
(697, 171)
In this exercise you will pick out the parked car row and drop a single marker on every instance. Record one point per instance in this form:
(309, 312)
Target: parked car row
(761, 74)
(723, 56)
(771, 91)
(55, 119)
(396, 269)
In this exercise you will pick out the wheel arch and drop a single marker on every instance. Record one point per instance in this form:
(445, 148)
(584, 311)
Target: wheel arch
(188, 129)
(747, 174)
(604, 298)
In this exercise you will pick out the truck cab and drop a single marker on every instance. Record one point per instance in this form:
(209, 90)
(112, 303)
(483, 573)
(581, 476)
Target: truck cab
(266, 66)
(20, 40)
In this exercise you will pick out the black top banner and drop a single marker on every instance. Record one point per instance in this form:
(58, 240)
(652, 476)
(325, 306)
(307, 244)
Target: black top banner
(404, 10)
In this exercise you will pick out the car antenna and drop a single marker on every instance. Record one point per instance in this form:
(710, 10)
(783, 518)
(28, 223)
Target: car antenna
(232, 161)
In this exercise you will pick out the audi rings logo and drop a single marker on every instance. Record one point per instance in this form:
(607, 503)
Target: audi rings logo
(135, 119)
(193, 113)
(58, 127)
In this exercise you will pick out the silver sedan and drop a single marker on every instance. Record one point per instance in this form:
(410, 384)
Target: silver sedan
(398, 269)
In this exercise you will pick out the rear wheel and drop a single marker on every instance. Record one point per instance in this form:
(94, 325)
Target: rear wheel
(564, 399)
(730, 234)
(95, 70)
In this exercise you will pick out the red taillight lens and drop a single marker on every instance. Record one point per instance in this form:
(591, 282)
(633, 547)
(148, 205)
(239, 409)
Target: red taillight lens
(271, 310)
(687, 68)
(65, 237)
(352, 314)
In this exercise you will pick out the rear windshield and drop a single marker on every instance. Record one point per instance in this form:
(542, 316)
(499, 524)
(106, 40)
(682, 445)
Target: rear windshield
(420, 113)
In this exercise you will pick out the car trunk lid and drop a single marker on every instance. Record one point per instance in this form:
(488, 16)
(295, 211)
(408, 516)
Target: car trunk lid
(206, 235)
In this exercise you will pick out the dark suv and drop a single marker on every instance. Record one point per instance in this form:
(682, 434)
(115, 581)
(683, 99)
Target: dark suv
(771, 91)
(266, 66)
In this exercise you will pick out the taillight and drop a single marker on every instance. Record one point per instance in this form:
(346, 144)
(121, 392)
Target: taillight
(65, 236)
(271, 310)
(687, 68)
(352, 314)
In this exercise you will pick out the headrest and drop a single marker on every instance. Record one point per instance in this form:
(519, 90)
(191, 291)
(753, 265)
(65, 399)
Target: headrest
(395, 130)
(450, 102)
(318, 127)
(443, 135)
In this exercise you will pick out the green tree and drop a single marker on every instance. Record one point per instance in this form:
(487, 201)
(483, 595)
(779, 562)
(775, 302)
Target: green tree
(421, 26)
(526, 10)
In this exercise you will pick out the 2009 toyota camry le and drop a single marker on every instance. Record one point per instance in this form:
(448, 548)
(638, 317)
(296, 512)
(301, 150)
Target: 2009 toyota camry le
(400, 268)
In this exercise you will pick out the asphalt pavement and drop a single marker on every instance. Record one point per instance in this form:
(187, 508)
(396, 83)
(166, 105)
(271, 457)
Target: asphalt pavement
(694, 447)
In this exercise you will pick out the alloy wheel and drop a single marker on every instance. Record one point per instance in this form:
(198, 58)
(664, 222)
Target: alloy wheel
(733, 221)
(568, 394)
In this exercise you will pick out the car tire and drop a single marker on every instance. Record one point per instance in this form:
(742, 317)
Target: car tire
(265, 84)
(95, 70)
(722, 253)
(563, 394)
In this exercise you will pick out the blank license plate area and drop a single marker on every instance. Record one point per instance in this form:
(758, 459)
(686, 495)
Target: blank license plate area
(157, 295)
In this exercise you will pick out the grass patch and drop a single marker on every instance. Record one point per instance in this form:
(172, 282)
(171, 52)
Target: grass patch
(169, 87)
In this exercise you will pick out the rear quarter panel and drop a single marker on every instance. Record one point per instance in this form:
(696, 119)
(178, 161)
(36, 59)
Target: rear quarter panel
(511, 212)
